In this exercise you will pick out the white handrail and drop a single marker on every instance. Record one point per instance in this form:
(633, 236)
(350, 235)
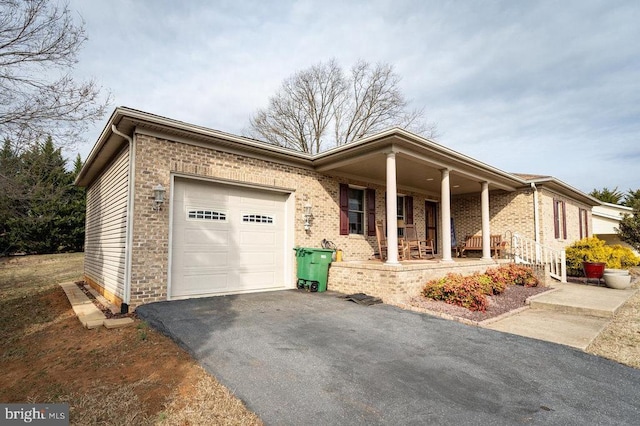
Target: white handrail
(528, 251)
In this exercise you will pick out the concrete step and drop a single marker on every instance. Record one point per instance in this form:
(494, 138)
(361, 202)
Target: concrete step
(580, 299)
(568, 329)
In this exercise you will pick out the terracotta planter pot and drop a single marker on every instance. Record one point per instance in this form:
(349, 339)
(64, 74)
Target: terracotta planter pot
(593, 269)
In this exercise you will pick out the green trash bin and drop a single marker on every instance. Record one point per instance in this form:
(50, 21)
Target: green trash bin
(320, 259)
(303, 262)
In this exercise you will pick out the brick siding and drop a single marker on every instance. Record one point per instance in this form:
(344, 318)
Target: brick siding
(157, 159)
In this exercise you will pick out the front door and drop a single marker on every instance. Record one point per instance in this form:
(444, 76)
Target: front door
(431, 222)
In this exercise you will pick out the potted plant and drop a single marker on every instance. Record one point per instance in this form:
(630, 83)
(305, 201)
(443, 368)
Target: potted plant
(593, 270)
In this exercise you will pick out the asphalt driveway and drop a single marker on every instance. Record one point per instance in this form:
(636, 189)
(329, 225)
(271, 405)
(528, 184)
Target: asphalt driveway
(312, 358)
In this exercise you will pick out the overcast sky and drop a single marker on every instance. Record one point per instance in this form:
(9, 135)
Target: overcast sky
(543, 87)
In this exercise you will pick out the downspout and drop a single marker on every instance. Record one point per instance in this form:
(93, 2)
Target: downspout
(124, 308)
(536, 220)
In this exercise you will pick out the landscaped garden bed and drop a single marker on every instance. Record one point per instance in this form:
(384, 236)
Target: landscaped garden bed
(479, 297)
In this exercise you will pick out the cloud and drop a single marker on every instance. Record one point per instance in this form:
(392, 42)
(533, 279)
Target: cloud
(544, 87)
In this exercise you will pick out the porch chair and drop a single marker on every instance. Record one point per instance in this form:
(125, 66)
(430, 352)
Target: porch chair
(403, 250)
(416, 245)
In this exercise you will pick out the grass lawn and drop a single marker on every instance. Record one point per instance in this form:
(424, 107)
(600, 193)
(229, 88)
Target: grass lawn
(124, 376)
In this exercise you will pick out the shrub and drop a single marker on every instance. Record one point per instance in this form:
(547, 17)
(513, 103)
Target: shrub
(512, 274)
(466, 291)
(622, 258)
(471, 291)
(594, 249)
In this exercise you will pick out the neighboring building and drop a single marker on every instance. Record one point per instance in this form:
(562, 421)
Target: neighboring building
(234, 209)
(606, 219)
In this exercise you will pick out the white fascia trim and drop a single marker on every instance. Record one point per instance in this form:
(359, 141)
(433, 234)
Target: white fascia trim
(617, 218)
(566, 187)
(617, 206)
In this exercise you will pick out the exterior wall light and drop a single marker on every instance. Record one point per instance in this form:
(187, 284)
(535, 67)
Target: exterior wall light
(307, 216)
(158, 196)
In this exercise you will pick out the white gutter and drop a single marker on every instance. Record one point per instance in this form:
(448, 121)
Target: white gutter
(536, 220)
(129, 230)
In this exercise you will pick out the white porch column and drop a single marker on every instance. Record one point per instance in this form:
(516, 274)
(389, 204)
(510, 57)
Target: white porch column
(445, 214)
(392, 210)
(486, 230)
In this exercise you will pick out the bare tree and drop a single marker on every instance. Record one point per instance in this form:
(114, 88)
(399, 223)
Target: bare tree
(39, 45)
(320, 107)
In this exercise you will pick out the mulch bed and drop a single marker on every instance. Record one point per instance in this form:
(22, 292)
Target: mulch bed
(513, 297)
(105, 310)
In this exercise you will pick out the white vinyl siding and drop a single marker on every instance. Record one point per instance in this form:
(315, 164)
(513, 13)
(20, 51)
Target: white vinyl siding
(106, 222)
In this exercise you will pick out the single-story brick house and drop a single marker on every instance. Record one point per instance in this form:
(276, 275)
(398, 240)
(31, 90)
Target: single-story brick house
(234, 207)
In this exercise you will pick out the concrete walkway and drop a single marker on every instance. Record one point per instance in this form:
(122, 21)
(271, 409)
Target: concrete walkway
(571, 314)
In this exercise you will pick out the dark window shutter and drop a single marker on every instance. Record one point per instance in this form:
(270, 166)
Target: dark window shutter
(408, 210)
(556, 219)
(344, 209)
(371, 212)
(580, 215)
(564, 220)
(586, 223)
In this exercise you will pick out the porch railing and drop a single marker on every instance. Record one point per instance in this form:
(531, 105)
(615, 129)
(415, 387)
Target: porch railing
(530, 252)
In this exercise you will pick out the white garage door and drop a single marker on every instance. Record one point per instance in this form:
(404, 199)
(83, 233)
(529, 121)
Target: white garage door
(226, 239)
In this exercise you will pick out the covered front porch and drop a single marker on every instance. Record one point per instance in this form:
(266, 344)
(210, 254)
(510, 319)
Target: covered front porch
(423, 184)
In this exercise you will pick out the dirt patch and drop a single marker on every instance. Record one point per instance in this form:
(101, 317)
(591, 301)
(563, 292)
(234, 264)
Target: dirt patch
(131, 375)
(512, 298)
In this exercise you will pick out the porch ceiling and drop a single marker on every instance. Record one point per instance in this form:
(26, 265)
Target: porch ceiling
(418, 165)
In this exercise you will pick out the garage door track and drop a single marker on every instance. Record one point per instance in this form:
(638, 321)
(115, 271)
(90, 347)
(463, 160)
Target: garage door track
(314, 358)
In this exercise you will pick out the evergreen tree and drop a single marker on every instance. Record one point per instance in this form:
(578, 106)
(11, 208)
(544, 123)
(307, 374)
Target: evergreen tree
(629, 229)
(42, 212)
(612, 196)
(9, 163)
(632, 199)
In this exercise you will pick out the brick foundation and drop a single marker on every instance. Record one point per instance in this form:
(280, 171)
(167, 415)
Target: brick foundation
(392, 283)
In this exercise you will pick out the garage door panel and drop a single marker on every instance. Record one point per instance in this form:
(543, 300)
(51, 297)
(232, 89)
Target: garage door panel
(264, 239)
(262, 258)
(205, 259)
(256, 280)
(209, 237)
(242, 251)
(204, 283)
(201, 191)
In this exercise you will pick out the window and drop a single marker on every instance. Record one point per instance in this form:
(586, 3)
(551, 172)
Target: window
(206, 215)
(356, 206)
(257, 218)
(400, 215)
(400, 202)
(356, 211)
(559, 219)
(584, 224)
